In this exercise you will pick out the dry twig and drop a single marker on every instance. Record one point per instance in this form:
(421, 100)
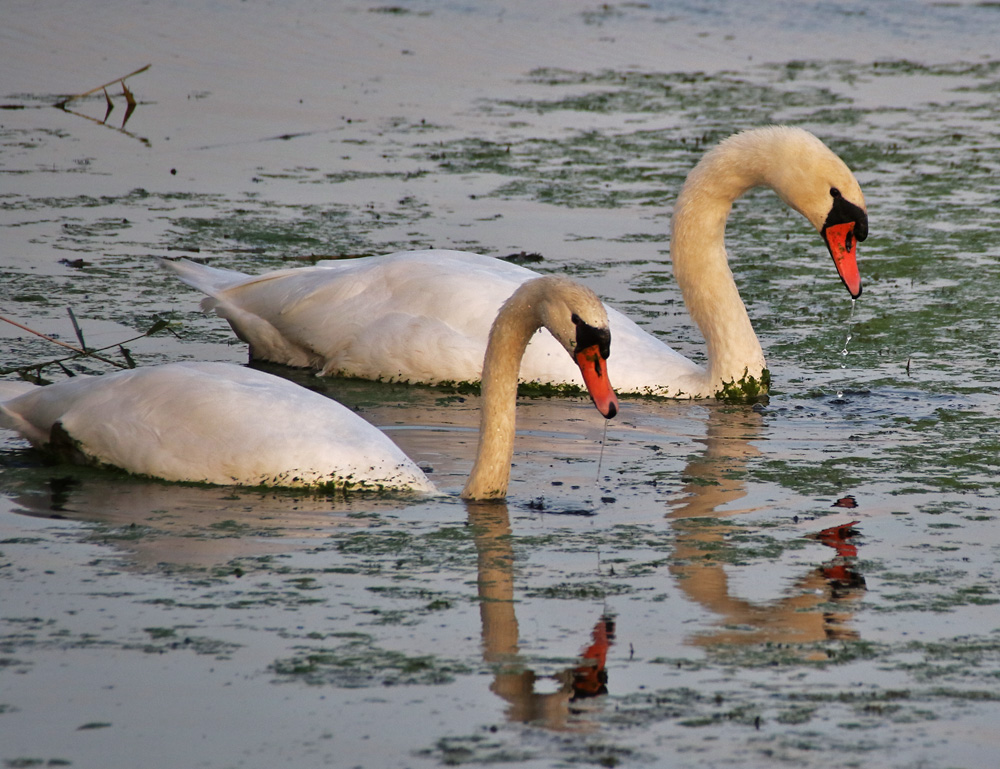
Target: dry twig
(128, 95)
(78, 352)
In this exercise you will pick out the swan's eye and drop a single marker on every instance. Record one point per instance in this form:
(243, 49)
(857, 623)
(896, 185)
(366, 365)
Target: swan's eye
(588, 336)
(834, 192)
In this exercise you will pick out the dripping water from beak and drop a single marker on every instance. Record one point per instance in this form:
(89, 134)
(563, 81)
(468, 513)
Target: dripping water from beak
(847, 340)
(600, 456)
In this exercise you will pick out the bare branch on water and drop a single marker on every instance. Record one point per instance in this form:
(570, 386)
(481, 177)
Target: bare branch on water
(103, 87)
(77, 329)
(78, 352)
(129, 100)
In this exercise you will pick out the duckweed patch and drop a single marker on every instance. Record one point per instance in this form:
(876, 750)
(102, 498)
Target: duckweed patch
(747, 389)
(926, 448)
(581, 590)
(35, 636)
(357, 662)
(778, 715)
(671, 92)
(474, 750)
(524, 389)
(713, 541)
(212, 647)
(384, 549)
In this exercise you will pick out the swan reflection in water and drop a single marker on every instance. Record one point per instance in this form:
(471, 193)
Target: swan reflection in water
(514, 682)
(178, 527)
(816, 606)
(163, 526)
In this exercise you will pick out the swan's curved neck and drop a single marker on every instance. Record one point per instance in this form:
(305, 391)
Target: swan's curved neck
(701, 265)
(516, 323)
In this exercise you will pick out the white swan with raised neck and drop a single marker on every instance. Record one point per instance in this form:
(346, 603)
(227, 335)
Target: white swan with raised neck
(424, 316)
(224, 424)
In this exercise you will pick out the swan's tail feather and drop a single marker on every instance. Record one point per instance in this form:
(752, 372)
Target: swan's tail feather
(208, 280)
(10, 418)
(12, 388)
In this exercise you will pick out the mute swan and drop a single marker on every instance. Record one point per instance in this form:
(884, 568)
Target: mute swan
(423, 316)
(224, 424)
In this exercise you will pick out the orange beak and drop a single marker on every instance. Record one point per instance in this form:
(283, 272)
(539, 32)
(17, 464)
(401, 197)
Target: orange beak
(843, 246)
(594, 368)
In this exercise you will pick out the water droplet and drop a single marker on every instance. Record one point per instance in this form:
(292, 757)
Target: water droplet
(844, 353)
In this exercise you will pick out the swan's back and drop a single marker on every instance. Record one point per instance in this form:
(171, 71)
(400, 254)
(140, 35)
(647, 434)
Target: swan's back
(213, 423)
(414, 316)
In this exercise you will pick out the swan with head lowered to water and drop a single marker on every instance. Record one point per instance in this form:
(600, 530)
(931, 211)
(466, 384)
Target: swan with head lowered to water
(423, 316)
(224, 424)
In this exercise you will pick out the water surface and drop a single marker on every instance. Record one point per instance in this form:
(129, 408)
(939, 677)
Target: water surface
(810, 583)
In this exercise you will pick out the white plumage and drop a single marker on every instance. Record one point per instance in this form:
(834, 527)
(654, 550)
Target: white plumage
(424, 316)
(213, 423)
(224, 424)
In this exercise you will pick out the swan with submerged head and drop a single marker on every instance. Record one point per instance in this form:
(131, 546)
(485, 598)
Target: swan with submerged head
(424, 316)
(224, 424)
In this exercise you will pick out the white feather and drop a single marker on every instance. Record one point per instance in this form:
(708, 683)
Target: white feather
(424, 316)
(213, 423)
(224, 424)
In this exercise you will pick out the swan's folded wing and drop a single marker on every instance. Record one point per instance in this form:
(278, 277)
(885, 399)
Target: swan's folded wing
(421, 317)
(217, 423)
(12, 419)
(644, 365)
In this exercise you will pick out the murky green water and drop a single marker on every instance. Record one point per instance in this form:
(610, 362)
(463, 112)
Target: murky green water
(810, 583)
